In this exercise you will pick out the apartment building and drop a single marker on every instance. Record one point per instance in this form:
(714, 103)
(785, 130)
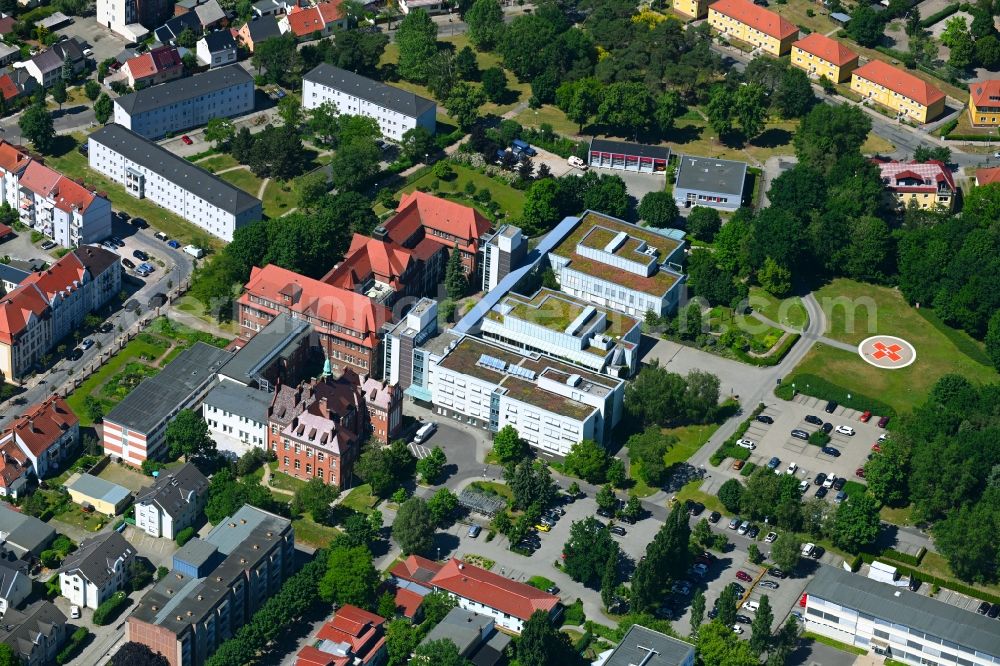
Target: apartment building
(96, 570)
(908, 96)
(174, 502)
(984, 103)
(48, 66)
(754, 25)
(923, 184)
(178, 105)
(897, 624)
(36, 633)
(395, 110)
(693, 9)
(346, 325)
(133, 19)
(151, 172)
(552, 404)
(820, 56)
(15, 469)
(50, 304)
(613, 264)
(134, 430)
(215, 586)
(154, 67)
(510, 604)
(46, 436)
(560, 325)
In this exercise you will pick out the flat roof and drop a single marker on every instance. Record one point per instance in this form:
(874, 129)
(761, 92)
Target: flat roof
(650, 648)
(555, 311)
(182, 90)
(267, 344)
(709, 174)
(628, 148)
(900, 606)
(189, 177)
(157, 397)
(376, 92)
(240, 400)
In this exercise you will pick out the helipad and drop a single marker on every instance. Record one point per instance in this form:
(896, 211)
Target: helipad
(887, 351)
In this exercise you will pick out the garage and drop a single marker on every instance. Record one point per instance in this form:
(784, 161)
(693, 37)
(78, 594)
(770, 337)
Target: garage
(628, 156)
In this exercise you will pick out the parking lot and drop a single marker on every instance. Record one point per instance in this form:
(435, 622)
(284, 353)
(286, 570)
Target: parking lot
(775, 440)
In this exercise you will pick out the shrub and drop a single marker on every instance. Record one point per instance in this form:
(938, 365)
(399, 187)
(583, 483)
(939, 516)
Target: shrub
(184, 535)
(109, 610)
(937, 16)
(819, 387)
(819, 438)
(73, 646)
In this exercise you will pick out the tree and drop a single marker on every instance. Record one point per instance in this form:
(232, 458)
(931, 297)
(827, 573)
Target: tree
(226, 495)
(962, 53)
(988, 52)
(315, 497)
(129, 654)
(830, 132)
(220, 131)
(606, 498)
(494, 81)
(417, 42)
(726, 605)
(991, 341)
(785, 551)
(436, 606)
(588, 550)
(386, 606)
(187, 38)
(609, 580)
(588, 460)
(521, 43)
(59, 95)
(36, 125)
(466, 65)
(432, 465)
(633, 508)
(541, 644)
(416, 144)
(441, 74)
(530, 484)
(955, 29)
(350, 578)
(774, 278)
(697, 611)
(750, 109)
(442, 506)
(401, 639)
(703, 223)
(312, 190)
(290, 112)
(385, 468)
(354, 164)
(626, 106)
(276, 153)
(717, 644)
(865, 26)
(508, 447)
(658, 209)
(279, 58)
(794, 95)
(187, 435)
(720, 110)
(357, 51)
(760, 629)
(463, 104)
(92, 89)
(414, 527)
(94, 408)
(455, 281)
(856, 523)
(580, 100)
(442, 651)
(668, 108)
(485, 21)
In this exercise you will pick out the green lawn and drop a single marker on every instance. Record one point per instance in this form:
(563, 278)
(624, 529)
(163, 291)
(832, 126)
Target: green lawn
(74, 165)
(493, 488)
(217, 163)
(243, 179)
(844, 647)
(787, 311)
(692, 491)
(689, 439)
(124, 476)
(511, 201)
(856, 311)
(897, 516)
(279, 198)
(74, 515)
(360, 499)
(283, 481)
(312, 533)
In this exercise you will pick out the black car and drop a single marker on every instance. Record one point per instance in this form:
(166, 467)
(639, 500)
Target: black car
(830, 451)
(753, 532)
(776, 572)
(604, 513)
(106, 327)
(815, 420)
(140, 255)
(984, 608)
(714, 517)
(695, 508)
(526, 546)
(914, 584)
(713, 613)
(618, 530)
(764, 418)
(800, 434)
(817, 552)
(821, 492)
(827, 427)
(740, 590)
(117, 241)
(139, 223)
(839, 484)
(75, 354)
(744, 619)
(830, 406)
(994, 611)
(820, 478)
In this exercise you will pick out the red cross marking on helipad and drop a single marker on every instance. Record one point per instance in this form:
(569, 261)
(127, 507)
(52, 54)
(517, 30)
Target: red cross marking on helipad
(891, 351)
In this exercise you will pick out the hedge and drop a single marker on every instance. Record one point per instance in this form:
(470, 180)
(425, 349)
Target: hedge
(75, 643)
(970, 137)
(953, 585)
(773, 359)
(729, 448)
(748, 469)
(937, 16)
(819, 387)
(584, 641)
(902, 558)
(184, 535)
(109, 610)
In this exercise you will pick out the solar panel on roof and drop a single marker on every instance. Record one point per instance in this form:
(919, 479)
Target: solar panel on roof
(492, 362)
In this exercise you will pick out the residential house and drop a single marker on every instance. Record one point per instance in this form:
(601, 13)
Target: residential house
(984, 103)
(46, 434)
(66, 211)
(396, 110)
(693, 9)
(174, 502)
(217, 49)
(150, 171)
(509, 603)
(987, 176)
(133, 19)
(36, 633)
(928, 185)
(821, 56)
(6, 24)
(97, 494)
(210, 15)
(269, 8)
(473, 634)
(352, 637)
(313, 22)
(627, 156)
(96, 570)
(157, 66)
(8, 54)
(15, 583)
(15, 468)
(908, 96)
(237, 417)
(430, 6)
(24, 535)
(704, 181)
(257, 30)
(644, 646)
(176, 25)
(47, 66)
(10, 277)
(134, 430)
(754, 25)
(215, 587)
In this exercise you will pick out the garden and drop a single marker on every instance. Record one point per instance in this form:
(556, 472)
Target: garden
(469, 186)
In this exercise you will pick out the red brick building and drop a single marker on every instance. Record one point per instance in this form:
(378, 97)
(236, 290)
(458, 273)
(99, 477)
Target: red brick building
(384, 403)
(346, 324)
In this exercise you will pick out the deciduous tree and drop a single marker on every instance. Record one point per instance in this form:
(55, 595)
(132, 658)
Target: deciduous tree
(658, 209)
(417, 41)
(485, 21)
(187, 435)
(414, 527)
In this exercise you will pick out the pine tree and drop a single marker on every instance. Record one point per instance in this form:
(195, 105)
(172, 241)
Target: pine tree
(609, 581)
(697, 611)
(455, 282)
(760, 635)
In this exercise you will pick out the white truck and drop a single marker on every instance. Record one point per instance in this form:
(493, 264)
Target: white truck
(195, 252)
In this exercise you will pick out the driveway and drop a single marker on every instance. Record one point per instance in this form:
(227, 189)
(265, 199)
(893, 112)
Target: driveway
(105, 43)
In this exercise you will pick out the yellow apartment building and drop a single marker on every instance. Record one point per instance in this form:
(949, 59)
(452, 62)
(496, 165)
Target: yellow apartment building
(898, 90)
(745, 21)
(820, 55)
(695, 9)
(984, 103)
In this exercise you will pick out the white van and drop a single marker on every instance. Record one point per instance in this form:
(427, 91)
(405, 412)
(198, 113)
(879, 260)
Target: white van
(195, 252)
(424, 433)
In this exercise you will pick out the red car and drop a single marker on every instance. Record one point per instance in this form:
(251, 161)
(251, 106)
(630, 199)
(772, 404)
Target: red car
(867, 415)
(876, 447)
(802, 601)
(187, 140)
(860, 472)
(744, 576)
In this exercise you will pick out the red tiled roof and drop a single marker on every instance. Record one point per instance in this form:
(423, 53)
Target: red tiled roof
(39, 179)
(431, 212)
(359, 629)
(899, 81)
(64, 275)
(305, 21)
(12, 158)
(157, 60)
(43, 424)
(8, 87)
(70, 196)
(325, 302)
(5, 231)
(987, 176)
(13, 463)
(929, 173)
(367, 256)
(18, 308)
(471, 582)
(826, 48)
(985, 93)
(6, 25)
(417, 569)
(758, 18)
(408, 602)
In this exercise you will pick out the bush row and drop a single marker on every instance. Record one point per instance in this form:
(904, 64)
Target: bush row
(773, 359)
(748, 469)
(109, 610)
(955, 586)
(75, 643)
(969, 137)
(821, 388)
(937, 16)
(729, 448)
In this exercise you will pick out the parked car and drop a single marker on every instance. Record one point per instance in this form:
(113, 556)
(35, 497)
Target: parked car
(807, 549)
(117, 241)
(604, 513)
(474, 531)
(776, 572)
(174, 244)
(803, 486)
(827, 427)
(792, 468)
(74, 612)
(773, 463)
(86, 343)
(744, 526)
(187, 140)
(817, 552)
(140, 255)
(617, 530)
(768, 585)
(738, 464)
(734, 523)
(860, 472)
(75, 354)
(764, 418)
(821, 492)
(771, 537)
(552, 589)
(815, 420)
(576, 163)
(984, 608)
(714, 517)
(737, 629)
(883, 422)
(681, 587)
(695, 508)
(881, 438)
(545, 520)
(840, 497)
(523, 148)
(845, 430)
(542, 527)
(866, 416)
(139, 223)
(830, 451)
(830, 480)
(914, 584)
(739, 589)
(800, 434)
(744, 619)
(47, 245)
(194, 251)
(830, 407)
(994, 611)
(106, 327)
(751, 606)
(699, 570)
(753, 531)
(128, 263)
(839, 483)
(820, 479)
(159, 235)
(746, 444)
(876, 447)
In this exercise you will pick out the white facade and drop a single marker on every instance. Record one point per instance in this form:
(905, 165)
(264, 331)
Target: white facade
(234, 434)
(356, 95)
(82, 592)
(67, 227)
(502, 620)
(14, 588)
(154, 521)
(121, 17)
(220, 58)
(430, 6)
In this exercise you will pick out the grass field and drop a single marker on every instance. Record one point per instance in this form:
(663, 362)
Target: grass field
(74, 165)
(689, 439)
(797, 11)
(897, 516)
(692, 491)
(279, 198)
(283, 481)
(312, 533)
(787, 312)
(124, 476)
(243, 179)
(217, 163)
(511, 201)
(843, 647)
(360, 499)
